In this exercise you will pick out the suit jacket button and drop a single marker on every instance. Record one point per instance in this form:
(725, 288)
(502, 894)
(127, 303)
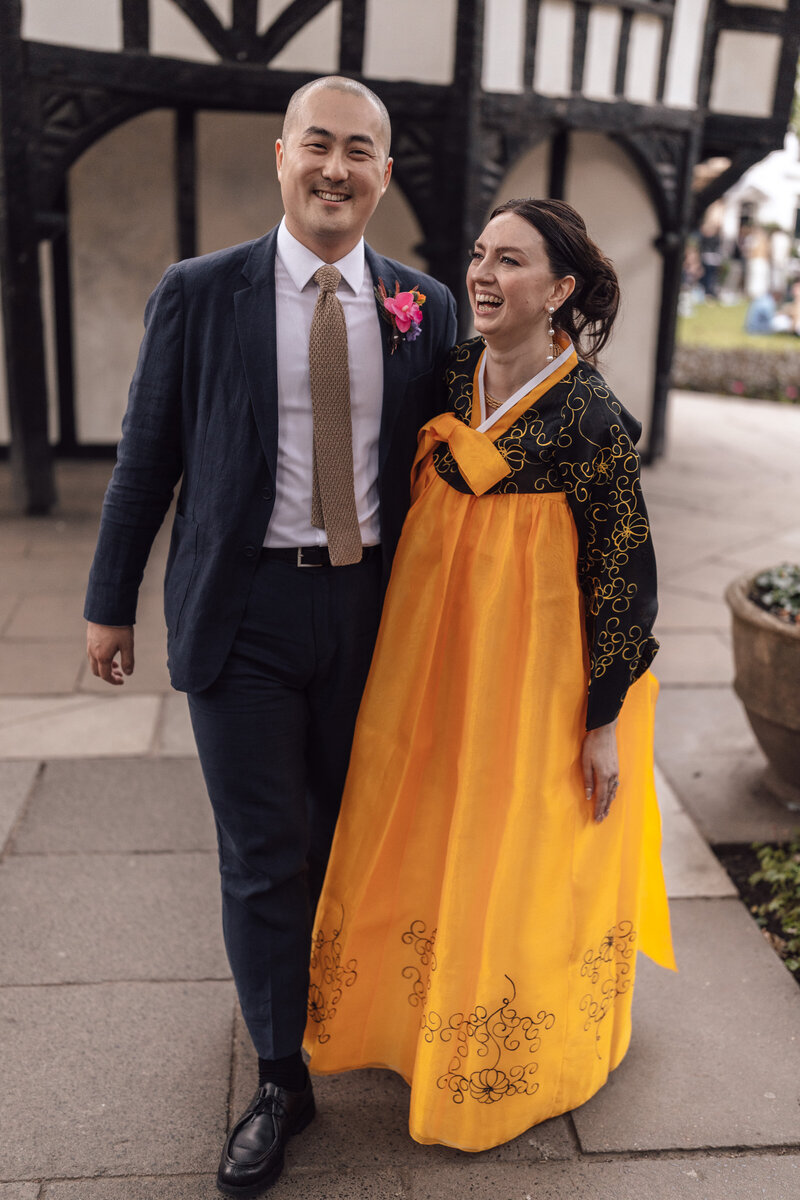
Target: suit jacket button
(267, 493)
(250, 551)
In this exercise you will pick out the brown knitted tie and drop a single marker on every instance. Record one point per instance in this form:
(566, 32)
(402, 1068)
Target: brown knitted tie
(333, 499)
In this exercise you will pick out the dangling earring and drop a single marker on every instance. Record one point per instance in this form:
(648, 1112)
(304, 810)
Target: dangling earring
(552, 354)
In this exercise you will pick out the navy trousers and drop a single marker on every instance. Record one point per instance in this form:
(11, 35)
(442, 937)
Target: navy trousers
(274, 733)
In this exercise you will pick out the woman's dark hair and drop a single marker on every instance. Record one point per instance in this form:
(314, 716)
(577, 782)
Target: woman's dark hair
(589, 313)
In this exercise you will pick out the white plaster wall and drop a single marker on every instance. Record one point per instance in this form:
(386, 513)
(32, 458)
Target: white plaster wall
(602, 44)
(685, 53)
(316, 46)
(745, 72)
(504, 45)
(528, 177)
(238, 196)
(414, 39)
(608, 192)
(173, 35)
(92, 24)
(123, 236)
(644, 51)
(552, 74)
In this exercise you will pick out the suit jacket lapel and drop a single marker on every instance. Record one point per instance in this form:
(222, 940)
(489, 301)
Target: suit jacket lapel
(255, 327)
(395, 366)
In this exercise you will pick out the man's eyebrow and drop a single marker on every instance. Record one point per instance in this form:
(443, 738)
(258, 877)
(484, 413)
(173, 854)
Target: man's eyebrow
(318, 131)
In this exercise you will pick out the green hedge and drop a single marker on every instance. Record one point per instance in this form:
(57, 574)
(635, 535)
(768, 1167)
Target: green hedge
(756, 374)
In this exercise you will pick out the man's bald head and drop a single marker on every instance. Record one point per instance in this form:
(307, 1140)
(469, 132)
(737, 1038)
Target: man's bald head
(337, 83)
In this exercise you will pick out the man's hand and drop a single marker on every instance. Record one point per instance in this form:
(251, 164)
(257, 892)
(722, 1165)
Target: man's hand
(600, 764)
(103, 642)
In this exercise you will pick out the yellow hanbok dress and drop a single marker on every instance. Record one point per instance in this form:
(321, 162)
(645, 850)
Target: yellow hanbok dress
(477, 931)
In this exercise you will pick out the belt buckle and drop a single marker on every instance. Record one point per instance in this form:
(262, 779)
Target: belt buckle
(300, 562)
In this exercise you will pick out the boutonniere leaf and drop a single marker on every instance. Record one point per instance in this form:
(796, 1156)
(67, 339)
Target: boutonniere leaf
(401, 311)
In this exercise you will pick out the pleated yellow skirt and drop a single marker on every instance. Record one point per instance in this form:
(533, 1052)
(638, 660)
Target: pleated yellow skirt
(477, 931)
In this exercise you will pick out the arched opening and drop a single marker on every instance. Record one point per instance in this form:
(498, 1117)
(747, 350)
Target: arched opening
(605, 185)
(124, 232)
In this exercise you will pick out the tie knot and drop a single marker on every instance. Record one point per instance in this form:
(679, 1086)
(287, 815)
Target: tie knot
(327, 278)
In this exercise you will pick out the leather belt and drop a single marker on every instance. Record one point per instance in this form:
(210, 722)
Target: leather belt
(309, 556)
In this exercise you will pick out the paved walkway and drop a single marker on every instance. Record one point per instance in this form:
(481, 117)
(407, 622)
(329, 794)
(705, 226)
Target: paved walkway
(123, 1056)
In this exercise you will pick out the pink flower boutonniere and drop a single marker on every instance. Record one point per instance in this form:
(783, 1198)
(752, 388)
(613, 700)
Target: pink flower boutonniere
(402, 312)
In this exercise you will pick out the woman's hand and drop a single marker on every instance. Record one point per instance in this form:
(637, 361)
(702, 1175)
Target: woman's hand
(600, 764)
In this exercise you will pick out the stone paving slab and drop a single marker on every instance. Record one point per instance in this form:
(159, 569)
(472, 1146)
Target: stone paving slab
(77, 726)
(85, 918)
(115, 1079)
(707, 749)
(347, 1185)
(37, 668)
(49, 615)
(663, 1179)
(690, 867)
(114, 805)
(680, 610)
(19, 1191)
(701, 657)
(715, 1055)
(9, 603)
(16, 782)
(175, 737)
(362, 1121)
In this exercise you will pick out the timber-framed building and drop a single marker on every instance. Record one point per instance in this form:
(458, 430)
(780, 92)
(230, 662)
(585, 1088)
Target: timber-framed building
(135, 132)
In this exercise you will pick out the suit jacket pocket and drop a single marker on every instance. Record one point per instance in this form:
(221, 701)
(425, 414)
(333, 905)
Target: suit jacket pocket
(180, 569)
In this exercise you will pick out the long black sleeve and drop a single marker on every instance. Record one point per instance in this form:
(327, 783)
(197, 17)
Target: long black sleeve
(599, 469)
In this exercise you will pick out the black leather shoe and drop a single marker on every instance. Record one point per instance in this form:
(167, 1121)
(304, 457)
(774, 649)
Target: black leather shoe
(252, 1157)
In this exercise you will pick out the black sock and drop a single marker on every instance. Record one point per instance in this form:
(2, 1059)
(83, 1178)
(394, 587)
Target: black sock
(289, 1072)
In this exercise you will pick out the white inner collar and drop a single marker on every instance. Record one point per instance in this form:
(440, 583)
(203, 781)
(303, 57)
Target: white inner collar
(488, 422)
(301, 263)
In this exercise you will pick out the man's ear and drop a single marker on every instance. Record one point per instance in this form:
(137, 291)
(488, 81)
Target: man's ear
(387, 174)
(279, 155)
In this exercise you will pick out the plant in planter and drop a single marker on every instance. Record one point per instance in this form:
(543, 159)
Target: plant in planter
(766, 651)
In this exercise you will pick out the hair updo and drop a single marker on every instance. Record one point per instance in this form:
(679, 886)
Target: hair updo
(588, 314)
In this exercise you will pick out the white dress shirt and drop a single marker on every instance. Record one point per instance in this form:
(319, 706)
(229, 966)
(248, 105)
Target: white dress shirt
(295, 300)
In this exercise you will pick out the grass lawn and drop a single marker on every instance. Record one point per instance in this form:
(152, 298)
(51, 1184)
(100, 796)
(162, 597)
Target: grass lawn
(721, 327)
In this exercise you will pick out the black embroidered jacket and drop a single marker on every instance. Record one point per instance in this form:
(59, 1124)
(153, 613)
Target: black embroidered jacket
(578, 439)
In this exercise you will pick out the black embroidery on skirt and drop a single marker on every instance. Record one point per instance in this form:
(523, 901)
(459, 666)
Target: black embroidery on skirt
(494, 1037)
(608, 969)
(423, 943)
(329, 977)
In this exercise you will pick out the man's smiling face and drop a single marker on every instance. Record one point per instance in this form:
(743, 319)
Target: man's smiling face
(333, 169)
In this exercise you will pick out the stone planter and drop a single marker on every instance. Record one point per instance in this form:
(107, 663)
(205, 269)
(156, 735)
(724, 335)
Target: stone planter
(766, 652)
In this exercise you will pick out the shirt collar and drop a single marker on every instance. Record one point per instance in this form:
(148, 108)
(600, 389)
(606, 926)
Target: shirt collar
(301, 263)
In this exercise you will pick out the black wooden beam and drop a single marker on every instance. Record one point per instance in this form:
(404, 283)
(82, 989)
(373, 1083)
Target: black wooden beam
(351, 41)
(245, 18)
(186, 182)
(284, 27)
(136, 25)
(559, 156)
(531, 34)
(750, 18)
(666, 40)
(622, 53)
(63, 325)
(740, 163)
(30, 453)
(244, 87)
(207, 24)
(580, 31)
(515, 115)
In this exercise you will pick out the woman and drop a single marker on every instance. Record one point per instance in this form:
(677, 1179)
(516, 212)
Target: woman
(494, 870)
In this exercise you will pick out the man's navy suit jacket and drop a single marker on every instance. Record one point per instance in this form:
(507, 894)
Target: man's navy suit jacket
(203, 407)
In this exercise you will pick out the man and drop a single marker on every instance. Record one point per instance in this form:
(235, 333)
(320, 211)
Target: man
(290, 408)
